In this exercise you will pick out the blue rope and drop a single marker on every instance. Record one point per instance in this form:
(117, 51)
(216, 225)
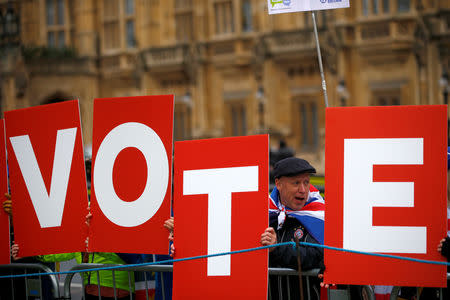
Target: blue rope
(228, 253)
(150, 263)
(378, 254)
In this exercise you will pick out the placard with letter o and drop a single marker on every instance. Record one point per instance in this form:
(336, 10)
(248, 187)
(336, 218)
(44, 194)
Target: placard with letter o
(131, 174)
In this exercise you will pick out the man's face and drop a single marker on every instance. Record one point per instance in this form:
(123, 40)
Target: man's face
(293, 190)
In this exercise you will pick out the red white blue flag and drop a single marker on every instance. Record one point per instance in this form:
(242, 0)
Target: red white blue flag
(311, 215)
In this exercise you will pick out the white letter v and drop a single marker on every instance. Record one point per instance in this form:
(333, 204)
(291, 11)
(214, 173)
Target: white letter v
(49, 208)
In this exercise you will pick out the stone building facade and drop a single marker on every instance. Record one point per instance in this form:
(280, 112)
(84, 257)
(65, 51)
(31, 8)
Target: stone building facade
(234, 70)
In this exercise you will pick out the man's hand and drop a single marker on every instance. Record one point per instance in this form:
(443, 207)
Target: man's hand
(88, 217)
(325, 285)
(169, 225)
(320, 276)
(172, 250)
(15, 251)
(269, 237)
(441, 243)
(88, 223)
(444, 247)
(7, 204)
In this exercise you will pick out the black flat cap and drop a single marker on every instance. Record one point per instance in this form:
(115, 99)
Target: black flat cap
(292, 166)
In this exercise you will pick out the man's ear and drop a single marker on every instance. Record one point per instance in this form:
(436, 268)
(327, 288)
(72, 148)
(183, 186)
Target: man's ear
(277, 183)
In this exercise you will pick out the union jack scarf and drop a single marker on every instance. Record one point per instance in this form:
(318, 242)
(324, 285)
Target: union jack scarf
(311, 216)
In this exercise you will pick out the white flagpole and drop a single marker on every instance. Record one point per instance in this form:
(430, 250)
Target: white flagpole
(319, 56)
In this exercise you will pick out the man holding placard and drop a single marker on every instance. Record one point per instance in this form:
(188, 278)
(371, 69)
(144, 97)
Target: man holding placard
(296, 211)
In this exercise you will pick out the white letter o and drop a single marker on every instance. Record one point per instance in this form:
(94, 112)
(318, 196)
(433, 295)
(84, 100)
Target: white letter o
(142, 137)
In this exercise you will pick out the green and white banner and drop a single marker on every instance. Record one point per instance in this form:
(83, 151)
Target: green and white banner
(287, 6)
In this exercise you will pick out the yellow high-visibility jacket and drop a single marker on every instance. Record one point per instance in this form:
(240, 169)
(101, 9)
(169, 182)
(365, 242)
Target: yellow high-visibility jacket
(106, 278)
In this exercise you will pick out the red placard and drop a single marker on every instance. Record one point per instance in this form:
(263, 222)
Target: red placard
(4, 218)
(47, 178)
(386, 193)
(220, 205)
(131, 177)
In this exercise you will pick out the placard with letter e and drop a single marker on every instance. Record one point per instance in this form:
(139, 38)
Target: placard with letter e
(4, 218)
(131, 174)
(47, 178)
(221, 205)
(386, 189)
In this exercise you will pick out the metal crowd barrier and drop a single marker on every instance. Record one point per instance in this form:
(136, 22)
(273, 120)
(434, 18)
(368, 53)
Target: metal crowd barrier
(33, 286)
(284, 273)
(396, 291)
(281, 273)
(80, 267)
(367, 292)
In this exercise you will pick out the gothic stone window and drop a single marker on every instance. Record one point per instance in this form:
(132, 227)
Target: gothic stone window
(375, 7)
(403, 5)
(130, 35)
(306, 123)
(365, 7)
(119, 24)
(58, 21)
(246, 16)
(236, 119)
(224, 17)
(385, 6)
(184, 20)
